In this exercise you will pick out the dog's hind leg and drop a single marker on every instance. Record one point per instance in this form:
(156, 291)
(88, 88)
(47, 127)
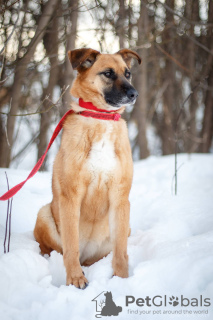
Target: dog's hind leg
(45, 231)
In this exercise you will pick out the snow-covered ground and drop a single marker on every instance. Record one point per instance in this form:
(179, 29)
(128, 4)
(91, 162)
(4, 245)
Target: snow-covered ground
(170, 249)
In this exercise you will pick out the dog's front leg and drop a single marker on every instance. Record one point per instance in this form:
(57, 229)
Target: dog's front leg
(119, 230)
(70, 213)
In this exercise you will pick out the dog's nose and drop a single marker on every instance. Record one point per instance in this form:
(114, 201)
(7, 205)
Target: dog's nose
(132, 94)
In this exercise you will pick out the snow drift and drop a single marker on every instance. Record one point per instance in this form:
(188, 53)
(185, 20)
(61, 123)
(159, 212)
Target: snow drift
(170, 250)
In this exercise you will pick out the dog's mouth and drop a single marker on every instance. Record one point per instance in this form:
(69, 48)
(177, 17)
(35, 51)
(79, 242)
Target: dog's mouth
(120, 104)
(112, 103)
(118, 99)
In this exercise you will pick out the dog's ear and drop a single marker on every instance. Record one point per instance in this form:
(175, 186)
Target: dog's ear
(82, 59)
(128, 55)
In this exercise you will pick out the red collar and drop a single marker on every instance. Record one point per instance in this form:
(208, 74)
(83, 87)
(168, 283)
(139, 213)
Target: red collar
(102, 114)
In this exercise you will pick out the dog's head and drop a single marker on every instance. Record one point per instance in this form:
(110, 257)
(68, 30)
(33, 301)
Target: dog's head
(104, 79)
(108, 295)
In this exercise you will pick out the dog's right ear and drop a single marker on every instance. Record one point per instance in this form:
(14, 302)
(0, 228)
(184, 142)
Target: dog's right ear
(128, 55)
(82, 59)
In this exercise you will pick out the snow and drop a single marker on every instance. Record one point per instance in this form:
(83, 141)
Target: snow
(170, 248)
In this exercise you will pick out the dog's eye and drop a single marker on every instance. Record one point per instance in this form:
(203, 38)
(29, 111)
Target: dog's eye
(127, 74)
(107, 74)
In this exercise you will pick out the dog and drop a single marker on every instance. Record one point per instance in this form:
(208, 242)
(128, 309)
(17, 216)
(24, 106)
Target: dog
(92, 173)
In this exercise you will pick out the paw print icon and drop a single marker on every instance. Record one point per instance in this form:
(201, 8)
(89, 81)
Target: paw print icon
(173, 301)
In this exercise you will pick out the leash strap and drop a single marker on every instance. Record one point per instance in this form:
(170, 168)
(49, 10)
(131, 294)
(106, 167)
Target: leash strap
(97, 115)
(10, 193)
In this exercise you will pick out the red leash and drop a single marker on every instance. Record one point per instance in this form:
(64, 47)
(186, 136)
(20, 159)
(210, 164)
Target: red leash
(97, 115)
(10, 193)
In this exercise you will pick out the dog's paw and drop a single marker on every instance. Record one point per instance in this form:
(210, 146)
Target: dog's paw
(121, 270)
(79, 282)
(121, 273)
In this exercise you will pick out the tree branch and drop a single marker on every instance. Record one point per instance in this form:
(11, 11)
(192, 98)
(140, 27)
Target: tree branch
(198, 23)
(33, 113)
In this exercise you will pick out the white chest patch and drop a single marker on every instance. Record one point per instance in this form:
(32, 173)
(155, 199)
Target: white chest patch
(102, 156)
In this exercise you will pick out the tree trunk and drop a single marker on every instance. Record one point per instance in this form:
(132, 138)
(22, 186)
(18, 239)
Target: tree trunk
(192, 13)
(68, 75)
(169, 103)
(207, 126)
(51, 45)
(121, 23)
(142, 84)
(21, 66)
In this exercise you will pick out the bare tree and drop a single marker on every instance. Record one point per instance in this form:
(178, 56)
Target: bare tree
(141, 81)
(207, 125)
(20, 69)
(50, 41)
(71, 34)
(192, 13)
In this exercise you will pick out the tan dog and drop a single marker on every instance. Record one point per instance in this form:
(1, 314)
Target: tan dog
(92, 175)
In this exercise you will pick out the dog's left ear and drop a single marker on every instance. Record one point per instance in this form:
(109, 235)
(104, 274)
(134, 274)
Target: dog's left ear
(128, 55)
(82, 59)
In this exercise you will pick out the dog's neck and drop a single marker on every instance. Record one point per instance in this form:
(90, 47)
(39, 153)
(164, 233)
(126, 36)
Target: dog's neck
(82, 105)
(90, 106)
